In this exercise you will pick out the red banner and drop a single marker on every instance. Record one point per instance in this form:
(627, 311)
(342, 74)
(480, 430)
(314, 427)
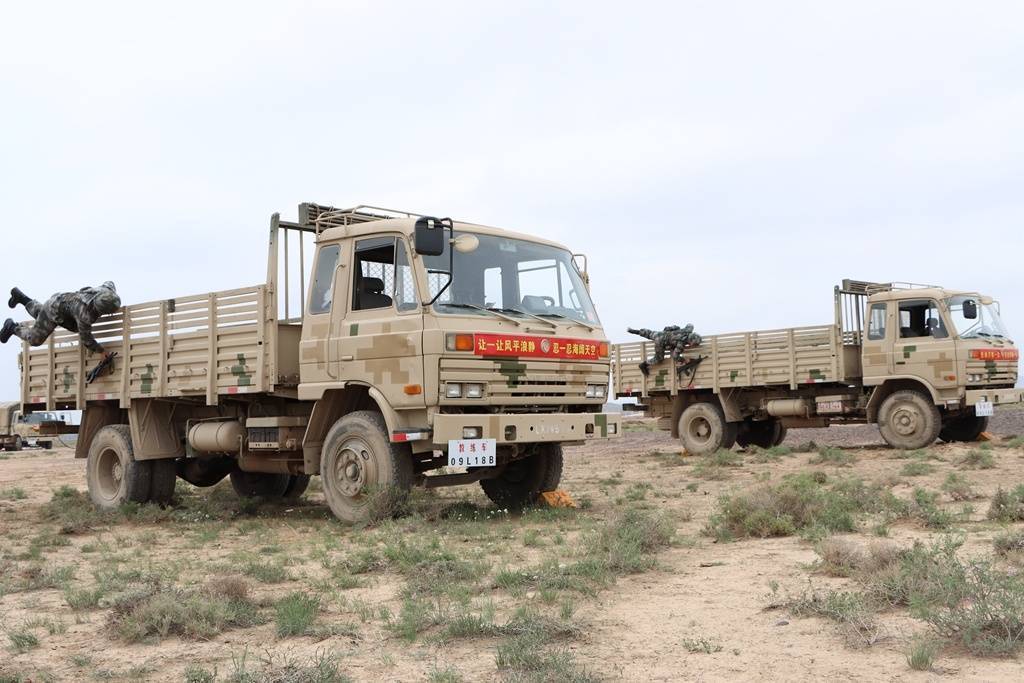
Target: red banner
(995, 354)
(538, 347)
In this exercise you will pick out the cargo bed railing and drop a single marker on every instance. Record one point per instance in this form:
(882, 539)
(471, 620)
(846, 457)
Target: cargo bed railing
(203, 346)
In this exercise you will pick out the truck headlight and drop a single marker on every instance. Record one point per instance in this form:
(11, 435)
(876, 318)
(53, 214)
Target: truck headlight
(453, 390)
(474, 390)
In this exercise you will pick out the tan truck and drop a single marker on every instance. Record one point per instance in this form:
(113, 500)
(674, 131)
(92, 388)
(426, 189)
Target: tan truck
(419, 352)
(36, 430)
(921, 362)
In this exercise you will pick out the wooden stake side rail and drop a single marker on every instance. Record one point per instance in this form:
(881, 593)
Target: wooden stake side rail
(789, 357)
(205, 346)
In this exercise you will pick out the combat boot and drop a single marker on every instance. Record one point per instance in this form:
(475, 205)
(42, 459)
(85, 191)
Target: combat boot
(17, 297)
(7, 331)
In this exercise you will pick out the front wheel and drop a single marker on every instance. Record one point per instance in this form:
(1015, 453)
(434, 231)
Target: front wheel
(966, 428)
(363, 473)
(522, 481)
(704, 430)
(909, 420)
(18, 443)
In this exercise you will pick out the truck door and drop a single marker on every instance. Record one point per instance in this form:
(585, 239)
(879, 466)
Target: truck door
(877, 358)
(317, 327)
(924, 347)
(380, 340)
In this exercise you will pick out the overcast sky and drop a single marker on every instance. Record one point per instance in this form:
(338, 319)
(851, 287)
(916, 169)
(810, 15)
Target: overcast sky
(721, 163)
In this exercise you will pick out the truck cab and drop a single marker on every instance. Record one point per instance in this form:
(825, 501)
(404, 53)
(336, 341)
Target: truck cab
(463, 335)
(952, 344)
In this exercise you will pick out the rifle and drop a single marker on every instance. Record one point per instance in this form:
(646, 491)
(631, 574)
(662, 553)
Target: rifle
(107, 362)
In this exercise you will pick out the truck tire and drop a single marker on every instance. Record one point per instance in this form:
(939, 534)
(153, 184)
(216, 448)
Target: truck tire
(363, 474)
(18, 443)
(780, 434)
(522, 481)
(164, 477)
(909, 420)
(259, 484)
(762, 433)
(113, 474)
(966, 428)
(703, 429)
(297, 484)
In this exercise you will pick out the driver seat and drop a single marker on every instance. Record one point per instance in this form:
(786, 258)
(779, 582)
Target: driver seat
(535, 304)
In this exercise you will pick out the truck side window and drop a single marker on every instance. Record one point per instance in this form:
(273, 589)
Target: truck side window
(323, 280)
(381, 268)
(921, 318)
(876, 322)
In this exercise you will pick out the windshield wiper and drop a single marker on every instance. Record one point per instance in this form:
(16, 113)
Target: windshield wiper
(493, 311)
(571, 320)
(531, 315)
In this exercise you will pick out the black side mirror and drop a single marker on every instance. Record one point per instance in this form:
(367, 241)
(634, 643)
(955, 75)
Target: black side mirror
(971, 309)
(430, 236)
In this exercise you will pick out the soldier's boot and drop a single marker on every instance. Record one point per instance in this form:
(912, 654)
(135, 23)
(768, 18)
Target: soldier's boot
(7, 331)
(17, 297)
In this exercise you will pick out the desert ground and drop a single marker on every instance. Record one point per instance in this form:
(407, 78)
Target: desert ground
(794, 563)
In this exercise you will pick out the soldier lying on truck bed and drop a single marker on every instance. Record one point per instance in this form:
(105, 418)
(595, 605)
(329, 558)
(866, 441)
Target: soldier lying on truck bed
(74, 311)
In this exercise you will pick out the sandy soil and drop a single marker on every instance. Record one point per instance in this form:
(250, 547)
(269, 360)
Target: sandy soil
(634, 631)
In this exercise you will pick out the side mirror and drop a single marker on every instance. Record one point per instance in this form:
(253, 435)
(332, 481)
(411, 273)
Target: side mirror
(971, 309)
(430, 236)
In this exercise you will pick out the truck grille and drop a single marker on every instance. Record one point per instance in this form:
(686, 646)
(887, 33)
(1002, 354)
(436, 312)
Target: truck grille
(994, 371)
(510, 381)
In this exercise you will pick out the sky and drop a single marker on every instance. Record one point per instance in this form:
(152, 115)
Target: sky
(720, 163)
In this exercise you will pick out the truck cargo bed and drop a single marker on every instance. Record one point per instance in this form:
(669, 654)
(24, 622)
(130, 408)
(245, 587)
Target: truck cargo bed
(787, 357)
(203, 346)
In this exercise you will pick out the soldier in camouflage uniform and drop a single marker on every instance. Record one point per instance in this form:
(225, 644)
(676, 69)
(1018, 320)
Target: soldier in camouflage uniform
(673, 339)
(74, 311)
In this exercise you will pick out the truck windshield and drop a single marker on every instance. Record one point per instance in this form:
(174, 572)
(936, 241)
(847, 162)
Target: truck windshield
(512, 277)
(986, 324)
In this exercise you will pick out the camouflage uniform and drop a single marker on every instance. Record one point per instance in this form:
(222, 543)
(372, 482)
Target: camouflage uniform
(74, 311)
(673, 339)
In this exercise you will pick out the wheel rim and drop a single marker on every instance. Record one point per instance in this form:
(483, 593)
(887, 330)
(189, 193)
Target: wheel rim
(906, 419)
(109, 474)
(699, 429)
(355, 468)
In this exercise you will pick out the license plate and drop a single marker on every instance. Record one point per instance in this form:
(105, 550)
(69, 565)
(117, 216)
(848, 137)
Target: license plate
(472, 453)
(984, 409)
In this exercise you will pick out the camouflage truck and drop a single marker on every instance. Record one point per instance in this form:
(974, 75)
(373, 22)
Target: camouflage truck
(931, 363)
(18, 431)
(420, 352)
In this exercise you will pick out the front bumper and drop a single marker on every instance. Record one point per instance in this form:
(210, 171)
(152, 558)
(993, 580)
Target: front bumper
(528, 428)
(997, 397)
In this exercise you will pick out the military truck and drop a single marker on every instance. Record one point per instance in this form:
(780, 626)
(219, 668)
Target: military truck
(18, 431)
(921, 362)
(421, 351)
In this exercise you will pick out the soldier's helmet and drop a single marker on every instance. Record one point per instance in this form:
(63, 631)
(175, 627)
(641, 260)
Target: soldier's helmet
(671, 328)
(688, 329)
(105, 299)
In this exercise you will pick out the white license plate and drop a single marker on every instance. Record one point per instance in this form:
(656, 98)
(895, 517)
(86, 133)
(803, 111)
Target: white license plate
(984, 409)
(472, 453)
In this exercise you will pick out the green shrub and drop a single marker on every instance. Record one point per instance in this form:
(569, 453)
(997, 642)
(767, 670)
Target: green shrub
(921, 654)
(978, 459)
(916, 469)
(1007, 506)
(295, 614)
(152, 613)
(958, 487)
(828, 455)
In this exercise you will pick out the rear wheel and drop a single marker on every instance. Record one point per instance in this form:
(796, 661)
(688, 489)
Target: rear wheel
(965, 428)
(909, 420)
(703, 429)
(780, 434)
(259, 484)
(164, 477)
(522, 481)
(363, 474)
(763, 434)
(113, 474)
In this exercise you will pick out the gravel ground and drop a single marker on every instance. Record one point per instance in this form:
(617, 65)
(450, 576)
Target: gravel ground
(1005, 423)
